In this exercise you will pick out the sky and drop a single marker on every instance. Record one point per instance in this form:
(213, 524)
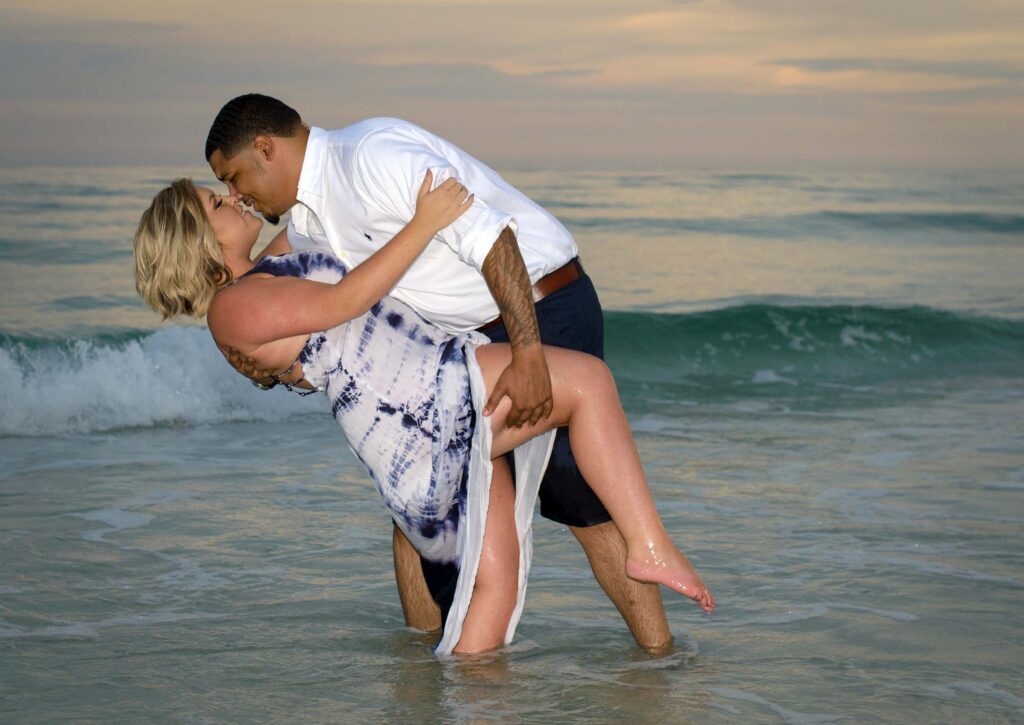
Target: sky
(530, 83)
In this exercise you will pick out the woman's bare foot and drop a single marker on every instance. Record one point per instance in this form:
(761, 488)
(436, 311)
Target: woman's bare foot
(674, 571)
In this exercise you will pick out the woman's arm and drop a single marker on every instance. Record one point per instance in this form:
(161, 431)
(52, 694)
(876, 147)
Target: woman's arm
(267, 309)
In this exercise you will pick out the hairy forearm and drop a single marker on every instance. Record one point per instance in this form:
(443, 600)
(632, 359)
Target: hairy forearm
(506, 277)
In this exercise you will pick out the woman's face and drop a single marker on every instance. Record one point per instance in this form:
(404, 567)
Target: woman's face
(234, 227)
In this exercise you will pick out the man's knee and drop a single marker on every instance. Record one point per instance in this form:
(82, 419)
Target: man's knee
(603, 539)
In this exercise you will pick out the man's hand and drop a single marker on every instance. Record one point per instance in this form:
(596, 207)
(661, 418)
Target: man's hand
(527, 384)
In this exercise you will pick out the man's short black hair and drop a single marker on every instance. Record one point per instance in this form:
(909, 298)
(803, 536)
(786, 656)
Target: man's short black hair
(244, 118)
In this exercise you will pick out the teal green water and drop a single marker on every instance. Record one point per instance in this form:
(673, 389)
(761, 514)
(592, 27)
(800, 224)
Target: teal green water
(824, 376)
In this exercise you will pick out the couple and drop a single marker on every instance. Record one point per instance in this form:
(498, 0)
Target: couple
(402, 253)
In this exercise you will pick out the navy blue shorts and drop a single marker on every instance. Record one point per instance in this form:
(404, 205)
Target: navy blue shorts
(571, 318)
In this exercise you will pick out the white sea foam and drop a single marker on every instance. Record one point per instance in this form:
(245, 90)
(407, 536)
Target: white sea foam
(787, 715)
(851, 334)
(814, 610)
(116, 519)
(173, 376)
(767, 376)
(988, 690)
(95, 628)
(799, 338)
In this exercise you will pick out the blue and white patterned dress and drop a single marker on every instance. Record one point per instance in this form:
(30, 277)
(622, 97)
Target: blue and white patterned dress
(406, 395)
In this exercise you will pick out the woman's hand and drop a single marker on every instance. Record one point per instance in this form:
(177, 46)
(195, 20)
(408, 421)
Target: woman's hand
(438, 208)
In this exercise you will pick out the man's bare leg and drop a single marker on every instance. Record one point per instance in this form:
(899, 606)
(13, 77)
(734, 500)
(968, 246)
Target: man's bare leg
(420, 609)
(639, 603)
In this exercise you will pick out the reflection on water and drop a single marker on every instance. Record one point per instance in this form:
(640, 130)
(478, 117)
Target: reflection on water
(847, 478)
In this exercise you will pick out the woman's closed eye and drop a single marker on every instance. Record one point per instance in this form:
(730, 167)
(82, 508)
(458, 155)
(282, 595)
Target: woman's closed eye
(217, 203)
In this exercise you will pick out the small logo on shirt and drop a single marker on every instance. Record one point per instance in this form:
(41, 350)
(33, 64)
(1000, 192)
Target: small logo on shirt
(367, 236)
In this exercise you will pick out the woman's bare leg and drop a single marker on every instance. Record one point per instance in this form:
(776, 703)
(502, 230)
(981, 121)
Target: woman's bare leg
(497, 579)
(585, 399)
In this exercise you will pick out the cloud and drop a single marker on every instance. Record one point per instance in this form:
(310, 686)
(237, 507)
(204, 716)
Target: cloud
(532, 80)
(965, 69)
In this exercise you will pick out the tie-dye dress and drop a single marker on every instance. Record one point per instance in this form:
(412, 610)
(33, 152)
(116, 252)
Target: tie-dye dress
(407, 396)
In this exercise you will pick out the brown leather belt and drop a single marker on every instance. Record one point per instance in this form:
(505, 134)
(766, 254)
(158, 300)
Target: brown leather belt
(547, 285)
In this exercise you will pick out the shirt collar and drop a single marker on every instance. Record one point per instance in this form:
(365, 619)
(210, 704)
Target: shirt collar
(312, 175)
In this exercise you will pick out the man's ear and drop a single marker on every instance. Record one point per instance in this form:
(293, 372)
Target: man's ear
(264, 147)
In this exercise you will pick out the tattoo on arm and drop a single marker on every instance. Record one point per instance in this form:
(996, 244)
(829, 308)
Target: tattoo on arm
(247, 366)
(506, 276)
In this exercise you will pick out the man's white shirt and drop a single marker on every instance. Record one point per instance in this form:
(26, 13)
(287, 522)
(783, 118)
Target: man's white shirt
(358, 188)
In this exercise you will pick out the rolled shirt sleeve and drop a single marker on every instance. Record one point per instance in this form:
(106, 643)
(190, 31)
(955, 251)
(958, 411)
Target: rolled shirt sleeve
(389, 171)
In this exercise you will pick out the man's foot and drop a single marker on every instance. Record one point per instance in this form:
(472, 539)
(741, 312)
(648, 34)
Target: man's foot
(672, 570)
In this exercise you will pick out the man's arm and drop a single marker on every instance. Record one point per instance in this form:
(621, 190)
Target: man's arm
(526, 381)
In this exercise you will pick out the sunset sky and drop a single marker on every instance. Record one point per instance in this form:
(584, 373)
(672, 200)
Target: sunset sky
(573, 83)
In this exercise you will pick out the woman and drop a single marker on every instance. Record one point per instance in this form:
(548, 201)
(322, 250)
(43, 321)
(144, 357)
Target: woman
(406, 395)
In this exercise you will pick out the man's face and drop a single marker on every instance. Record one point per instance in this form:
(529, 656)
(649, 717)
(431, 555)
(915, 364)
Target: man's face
(248, 177)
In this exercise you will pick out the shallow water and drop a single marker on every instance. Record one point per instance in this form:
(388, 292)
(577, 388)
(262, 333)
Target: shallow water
(829, 408)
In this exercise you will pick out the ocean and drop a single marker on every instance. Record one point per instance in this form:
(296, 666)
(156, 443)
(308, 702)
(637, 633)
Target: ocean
(824, 372)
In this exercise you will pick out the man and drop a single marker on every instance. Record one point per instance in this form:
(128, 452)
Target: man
(351, 191)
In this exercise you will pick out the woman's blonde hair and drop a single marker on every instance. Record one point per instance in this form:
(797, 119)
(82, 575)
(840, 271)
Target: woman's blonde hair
(178, 263)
